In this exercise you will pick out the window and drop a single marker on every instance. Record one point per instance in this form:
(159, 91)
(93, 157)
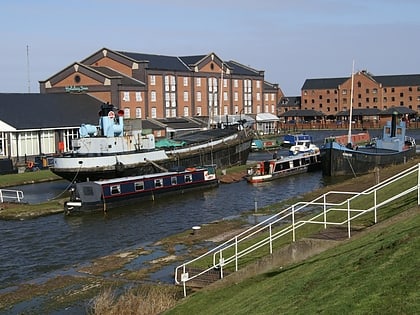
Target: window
(367, 91)
(174, 180)
(198, 81)
(115, 190)
(235, 83)
(152, 80)
(225, 96)
(139, 98)
(224, 82)
(185, 96)
(126, 96)
(188, 178)
(185, 81)
(258, 96)
(344, 92)
(158, 182)
(138, 112)
(126, 112)
(186, 112)
(273, 96)
(139, 186)
(198, 110)
(153, 96)
(257, 84)
(153, 112)
(236, 96)
(198, 96)
(375, 91)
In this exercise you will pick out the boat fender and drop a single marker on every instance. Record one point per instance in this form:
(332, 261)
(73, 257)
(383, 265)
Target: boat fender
(30, 164)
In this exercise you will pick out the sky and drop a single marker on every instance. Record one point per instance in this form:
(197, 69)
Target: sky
(290, 41)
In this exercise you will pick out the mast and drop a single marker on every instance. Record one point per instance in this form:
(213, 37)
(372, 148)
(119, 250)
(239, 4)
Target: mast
(351, 105)
(27, 65)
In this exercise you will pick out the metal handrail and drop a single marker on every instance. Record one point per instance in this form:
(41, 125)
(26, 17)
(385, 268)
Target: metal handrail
(221, 255)
(11, 195)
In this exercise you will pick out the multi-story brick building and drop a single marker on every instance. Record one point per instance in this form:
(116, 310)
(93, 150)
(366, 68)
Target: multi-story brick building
(332, 95)
(157, 86)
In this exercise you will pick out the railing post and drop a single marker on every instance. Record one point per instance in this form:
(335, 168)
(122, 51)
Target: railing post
(348, 218)
(325, 211)
(418, 184)
(1, 195)
(236, 253)
(375, 207)
(293, 223)
(221, 261)
(271, 238)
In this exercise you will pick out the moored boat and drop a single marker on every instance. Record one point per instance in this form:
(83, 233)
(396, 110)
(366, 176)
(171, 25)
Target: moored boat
(91, 196)
(284, 166)
(393, 148)
(290, 140)
(109, 151)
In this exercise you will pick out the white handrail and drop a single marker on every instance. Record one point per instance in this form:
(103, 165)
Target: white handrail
(10, 195)
(230, 252)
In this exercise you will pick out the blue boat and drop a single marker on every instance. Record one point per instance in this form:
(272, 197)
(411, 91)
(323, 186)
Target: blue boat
(101, 195)
(290, 140)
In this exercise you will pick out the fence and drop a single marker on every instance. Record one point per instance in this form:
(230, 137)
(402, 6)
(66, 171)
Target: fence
(334, 208)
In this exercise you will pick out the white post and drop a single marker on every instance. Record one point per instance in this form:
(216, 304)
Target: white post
(293, 223)
(348, 218)
(236, 253)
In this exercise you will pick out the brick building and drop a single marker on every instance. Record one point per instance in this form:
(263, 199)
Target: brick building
(158, 86)
(332, 95)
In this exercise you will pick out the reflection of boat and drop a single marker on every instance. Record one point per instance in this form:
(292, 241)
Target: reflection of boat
(108, 151)
(290, 140)
(104, 194)
(394, 148)
(264, 144)
(284, 166)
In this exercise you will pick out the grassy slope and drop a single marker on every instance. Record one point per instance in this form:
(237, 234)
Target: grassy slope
(375, 273)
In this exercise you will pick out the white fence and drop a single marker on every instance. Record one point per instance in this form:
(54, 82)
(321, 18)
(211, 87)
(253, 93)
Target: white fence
(9, 195)
(335, 208)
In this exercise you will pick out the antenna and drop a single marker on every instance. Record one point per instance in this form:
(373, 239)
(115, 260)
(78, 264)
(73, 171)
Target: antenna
(27, 65)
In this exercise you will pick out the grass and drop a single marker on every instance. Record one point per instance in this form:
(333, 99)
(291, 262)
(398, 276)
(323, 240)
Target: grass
(373, 274)
(8, 180)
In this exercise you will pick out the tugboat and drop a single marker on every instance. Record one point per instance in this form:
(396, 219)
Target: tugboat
(108, 151)
(394, 148)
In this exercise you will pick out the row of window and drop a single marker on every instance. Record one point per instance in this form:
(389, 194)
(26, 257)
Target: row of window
(139, 186)
(170, 80)
(367, 91)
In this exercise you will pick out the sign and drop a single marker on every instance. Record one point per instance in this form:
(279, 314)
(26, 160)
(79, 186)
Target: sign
(111, 115)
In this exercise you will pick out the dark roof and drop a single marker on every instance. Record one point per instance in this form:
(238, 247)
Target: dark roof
(289, 101)
(238, 68)
(385, 80)
(302, 113)
(42, 111)
(158, 62)
(400, 110)
(190, 61)
(148, 124)
(398, 80)
(179, 123)
(320, 84)
(361, 112)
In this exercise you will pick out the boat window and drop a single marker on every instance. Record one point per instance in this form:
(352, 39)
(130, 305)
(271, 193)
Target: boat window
(139, 185)
(188, 178)
(88, 191)
(173, 180)
(116, 189)
(158, 182)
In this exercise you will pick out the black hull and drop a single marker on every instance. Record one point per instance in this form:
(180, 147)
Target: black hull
(95, 207)
(224, 155)
(336, 162)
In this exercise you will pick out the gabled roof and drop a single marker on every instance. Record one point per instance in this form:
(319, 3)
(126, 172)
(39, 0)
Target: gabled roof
(266, 117)
(241, 69)
(110, 73)
(157, 62)
(398, 80)
(302, 113)
(25, 111)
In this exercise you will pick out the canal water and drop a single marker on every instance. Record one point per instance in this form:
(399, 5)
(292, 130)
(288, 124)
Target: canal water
(33, 249)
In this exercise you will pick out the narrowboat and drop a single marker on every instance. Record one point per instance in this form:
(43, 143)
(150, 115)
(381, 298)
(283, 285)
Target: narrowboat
(284, 166)
(101, 195)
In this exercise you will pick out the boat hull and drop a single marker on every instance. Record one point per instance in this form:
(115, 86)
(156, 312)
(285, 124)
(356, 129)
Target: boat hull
(233, 150)
(338, 160)
(87, 197)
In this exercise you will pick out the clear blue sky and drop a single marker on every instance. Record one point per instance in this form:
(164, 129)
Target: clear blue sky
(290, 40)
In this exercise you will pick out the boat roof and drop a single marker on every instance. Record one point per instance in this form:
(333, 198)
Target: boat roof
(143, 177)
